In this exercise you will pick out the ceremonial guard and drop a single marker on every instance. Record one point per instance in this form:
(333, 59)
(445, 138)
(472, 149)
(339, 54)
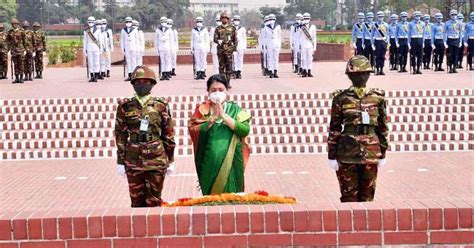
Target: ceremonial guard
(17, 44)
(215, 59)
(402, 41)
(392, 35)
(438, 41)
(226, 38)
(294, 43)
(30, 50)
(40, 48)
(241, 46)
(462, 47)
(262, 46)
(174, 47)
(469, 40)
(427, 42)
(379, 42)
(308, 44)
(368, 28)
(415, 42)
(163, 42)
(200, 45)
(107, 49)
(272, 41)
(358, 134)
(141, 42)
(3, 52)
(452, 37)
(129, 44)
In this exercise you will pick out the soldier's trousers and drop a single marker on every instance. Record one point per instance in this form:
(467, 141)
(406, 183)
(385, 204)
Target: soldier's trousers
(403, 52)
(139, 55)
(145, 187)
(239, 60)
(470, 51)
(393, 52)
(359, 49)
(93, 60)
(225, 64)
(4, 62)
(215, 63)
(357, 182)
(439, 52)
(131, 60)
(368, 52)
(307, 58)
(105, 61)
(165, 60)
(380, 51)
(453, 51)
(200, 59)
(39, 60)
(273, 58)
(19, 63)
(174, 58)
(416, 52)
(461, 54)
(28, 62)
(427, 52)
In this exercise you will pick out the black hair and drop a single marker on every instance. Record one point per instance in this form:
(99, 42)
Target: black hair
(217, 78)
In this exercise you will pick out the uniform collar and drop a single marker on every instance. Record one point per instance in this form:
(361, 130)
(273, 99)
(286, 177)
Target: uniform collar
(359, 91)
(143, 100)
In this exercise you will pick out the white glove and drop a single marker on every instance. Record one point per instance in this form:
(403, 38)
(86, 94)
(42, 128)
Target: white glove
(220, 42)
(445, 45)
(363, 46)
(121, 170)
(354, 45)
(409, 47)
(373, 47)
(460, 44)
(382, 163)
(170, 170)
(24, 53)
(333, 164)
(397, 45)
(433, 46)
(466, 45)
(34, 54)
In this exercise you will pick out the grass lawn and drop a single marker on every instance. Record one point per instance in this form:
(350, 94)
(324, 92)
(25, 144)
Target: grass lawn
(63, 41)
(334, 38)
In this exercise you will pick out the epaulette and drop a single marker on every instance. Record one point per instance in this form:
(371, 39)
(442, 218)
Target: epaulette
(161, 99)
(124, 101)
(337, 92)
(378, 91)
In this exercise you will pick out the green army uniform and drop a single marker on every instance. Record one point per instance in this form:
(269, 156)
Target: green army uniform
(227, 34)
(145, 154)
(16, 43)
(29, 48)
(3, 52)
(358, 139)
(40, 48)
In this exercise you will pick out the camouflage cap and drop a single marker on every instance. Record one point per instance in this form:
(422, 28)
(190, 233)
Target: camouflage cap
(26, 24)
(15, 21)
(225, 15)
(358, 63)
(143, 72)
(36, 24)
(1, 25)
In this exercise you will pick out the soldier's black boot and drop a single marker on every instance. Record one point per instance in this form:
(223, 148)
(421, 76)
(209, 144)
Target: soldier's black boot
(295, 70)
(30, 77)
(376, 71)
(168, 75)
(381, 72)
(304, 73)
(204, 75)
(129, 78)
(162, 76)
(239, 74)
(275, 75)
(418, 71)
(470, 67)
(309, 73)
(16, 79)
(100, 76)
(21, 79)
(173, 72)
(91, 77)
(270, 73)
(96, 77)
(108, 73)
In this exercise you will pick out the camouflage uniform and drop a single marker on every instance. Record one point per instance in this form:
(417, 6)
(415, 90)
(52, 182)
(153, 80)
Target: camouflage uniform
(3, 53)
(228, 35)
(40, 48)
(16, 43)
(358, 147)
(30, 48)
(146, 155)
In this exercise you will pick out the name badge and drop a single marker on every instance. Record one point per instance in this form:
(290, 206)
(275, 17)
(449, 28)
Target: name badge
(365, 117)
(144, 123)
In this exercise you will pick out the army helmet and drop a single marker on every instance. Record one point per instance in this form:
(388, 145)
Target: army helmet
(439, 15)
(427, 17)
(404, 14)
(299, 16)
(15, 21)
(224, 15)
(25, 24)
(143, 72)
(453, 12)
(36, 24)
(358, 63)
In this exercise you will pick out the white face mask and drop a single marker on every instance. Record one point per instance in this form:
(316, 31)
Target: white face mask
(163, 24)
(169, 25)
(128, 24)
(104, 26)
(305, 21)
(199, 24)
(271, 22)
(218, 23)
(236, 23)
(217, 97)
(91, 24)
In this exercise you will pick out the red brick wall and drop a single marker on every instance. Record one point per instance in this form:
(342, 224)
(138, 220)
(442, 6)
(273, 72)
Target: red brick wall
(377, 223)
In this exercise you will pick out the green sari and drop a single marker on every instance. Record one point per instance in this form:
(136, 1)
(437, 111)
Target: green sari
(220, 153)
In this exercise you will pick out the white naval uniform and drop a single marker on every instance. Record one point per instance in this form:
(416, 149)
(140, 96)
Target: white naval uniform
(308, 46)
(141, 47)
(129, 40)
(164, 39)
(272, 37)
(262, 47)
(215, 59)
(294, 42)
(92, 50)
(108, 48)
(200, 43)
(174, 48)
(241, 46)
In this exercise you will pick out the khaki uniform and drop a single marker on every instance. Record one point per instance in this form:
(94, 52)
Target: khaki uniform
(228, 35)
(40, 48)
(3, 55)
(145, 154)
(17, 44)
(30, 48)
(358, 139)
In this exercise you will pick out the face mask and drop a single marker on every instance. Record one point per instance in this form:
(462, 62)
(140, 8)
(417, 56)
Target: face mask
(359, 79)
(370, 19)
(453, 18)
(472, 19)
(236, 23)
(404, 19)
(305, 21)
(163, 24)
(272, 22)
(218, 23)
(361, 19)
(380, 19)
(199, 24)
(142, 89)
(417, 18)
(104, 27)
(91, 24)
(217, 97)
(128, 24)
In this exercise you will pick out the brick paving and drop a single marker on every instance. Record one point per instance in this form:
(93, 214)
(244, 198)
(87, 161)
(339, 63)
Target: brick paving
(95, 184)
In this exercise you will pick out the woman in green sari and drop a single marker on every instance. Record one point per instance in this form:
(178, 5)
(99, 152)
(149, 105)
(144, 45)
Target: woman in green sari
(218, 130)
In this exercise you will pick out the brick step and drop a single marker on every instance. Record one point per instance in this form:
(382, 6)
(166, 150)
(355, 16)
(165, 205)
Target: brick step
(256, 130)
(296, 120)
(241, 97)
(312, 103)
(275, 139)
(254, 112)
(312, 148)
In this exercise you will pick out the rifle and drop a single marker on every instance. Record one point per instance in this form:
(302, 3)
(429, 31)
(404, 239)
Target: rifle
(266, 61)
(124, 64)
(299, 60)
(87, 67)
(262, 67)
(11, 66)
(194, 66)
(411, 57)
(159, 66)
(33, 64)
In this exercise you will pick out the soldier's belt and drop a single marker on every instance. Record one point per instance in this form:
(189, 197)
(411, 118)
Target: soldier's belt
(140, 137)
(360, 129)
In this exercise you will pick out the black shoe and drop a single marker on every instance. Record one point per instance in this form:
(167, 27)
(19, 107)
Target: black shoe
(295, 70)
(30, 76)
(304, 73)
(129, 78)
(270, 73)
(108, 73)
(454, 70)
(100, 76)
(162, 76)
(16, 79)
(40, 73)
(418, 71)
(309, 73)
(167, 75)
(239, 74)
(275, 75)
(381, 73)
(204, 75)
(20, 79)
(173, 73)
(91, 77)
(300, 71)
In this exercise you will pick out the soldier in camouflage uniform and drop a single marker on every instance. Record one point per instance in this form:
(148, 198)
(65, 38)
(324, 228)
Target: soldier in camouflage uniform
(144, 134)
(30, 49)
(225, 36)
(3, 52)
(16, 43)
(357, 139)
(40, 48)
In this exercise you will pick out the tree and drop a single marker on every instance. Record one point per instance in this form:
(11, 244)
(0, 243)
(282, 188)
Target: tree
(318, 9)
(7, 11)
(280, 18)
(251, 19)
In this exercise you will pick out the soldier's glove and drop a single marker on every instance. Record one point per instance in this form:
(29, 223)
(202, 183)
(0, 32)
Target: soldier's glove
(121, 170)
(381, 163)
(433, 46)
(220, 42)
(24, 53)
(466, 45)
(333, 164)
(170, 170)
(409, 47)
(354, 45)
(445, 45)
(397, 45)
(373, 47)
